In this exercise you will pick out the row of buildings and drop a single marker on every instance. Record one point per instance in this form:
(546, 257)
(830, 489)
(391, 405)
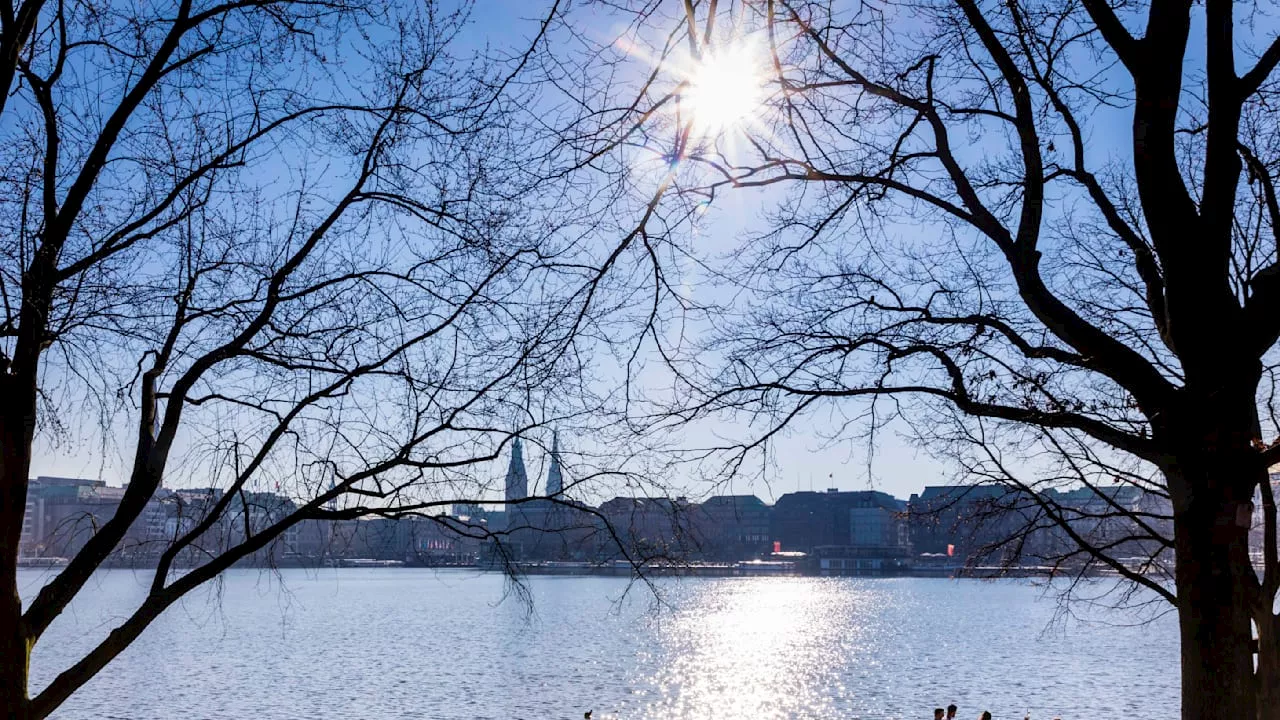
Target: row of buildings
(840, 531)
(63, 513)
(837, 532)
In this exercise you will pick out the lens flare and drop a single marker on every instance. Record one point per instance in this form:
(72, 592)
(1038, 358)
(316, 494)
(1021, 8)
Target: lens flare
(724, 90)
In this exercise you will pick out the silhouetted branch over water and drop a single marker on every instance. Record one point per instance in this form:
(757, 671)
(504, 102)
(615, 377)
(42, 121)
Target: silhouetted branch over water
(1038, 238)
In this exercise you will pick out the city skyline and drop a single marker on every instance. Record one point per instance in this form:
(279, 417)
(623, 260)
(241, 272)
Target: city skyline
(809, 467)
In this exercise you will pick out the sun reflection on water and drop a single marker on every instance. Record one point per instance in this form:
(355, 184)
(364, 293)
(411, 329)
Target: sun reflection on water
(758, 650)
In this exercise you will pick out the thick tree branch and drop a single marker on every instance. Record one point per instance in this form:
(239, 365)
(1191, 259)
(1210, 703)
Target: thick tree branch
(1115, 33)
(1256, 76)
(1107, 355)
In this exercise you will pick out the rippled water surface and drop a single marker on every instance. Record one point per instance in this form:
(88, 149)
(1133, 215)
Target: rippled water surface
(400, 643)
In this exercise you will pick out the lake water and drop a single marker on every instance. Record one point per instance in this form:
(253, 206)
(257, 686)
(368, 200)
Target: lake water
(401, 643)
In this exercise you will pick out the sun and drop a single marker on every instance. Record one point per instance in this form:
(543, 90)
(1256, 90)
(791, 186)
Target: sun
(724, 90)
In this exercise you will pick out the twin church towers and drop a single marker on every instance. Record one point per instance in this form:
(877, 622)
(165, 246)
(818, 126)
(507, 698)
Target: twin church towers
(517, 486)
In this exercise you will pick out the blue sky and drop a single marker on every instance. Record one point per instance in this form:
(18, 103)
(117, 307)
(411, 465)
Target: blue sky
(803, 458)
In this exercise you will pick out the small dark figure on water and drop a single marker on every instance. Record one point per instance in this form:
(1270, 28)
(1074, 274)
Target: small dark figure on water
(938, 713)
(986, 715)
(951, 711)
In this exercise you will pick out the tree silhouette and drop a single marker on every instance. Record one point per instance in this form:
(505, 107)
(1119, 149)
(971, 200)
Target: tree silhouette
(297, 251)
(1042, 236)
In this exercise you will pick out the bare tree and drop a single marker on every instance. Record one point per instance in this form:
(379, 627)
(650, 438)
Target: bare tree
(294, 246)
(1042, 234)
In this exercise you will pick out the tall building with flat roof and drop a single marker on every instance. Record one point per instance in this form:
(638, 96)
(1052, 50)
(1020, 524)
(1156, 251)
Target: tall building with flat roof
(735, 527)
(805, 520)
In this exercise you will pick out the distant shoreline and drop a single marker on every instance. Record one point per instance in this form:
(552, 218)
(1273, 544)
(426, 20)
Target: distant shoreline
(624, 569)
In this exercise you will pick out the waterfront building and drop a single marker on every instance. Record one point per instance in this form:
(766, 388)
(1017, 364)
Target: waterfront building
(734, 527)
(314, 542)
(803, 520)
(1000, 525)
(1126, 519)
(181, 511)
(259, 510)
(63, 513)
(31, 541)
(66, 512)
(654, 527)
(419, 541)
(468, 510)
(867, 519)
(968, 523)
(375, 538)
(497, 520)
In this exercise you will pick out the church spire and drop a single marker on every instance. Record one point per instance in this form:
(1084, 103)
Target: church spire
(555, 480)
(517, 487)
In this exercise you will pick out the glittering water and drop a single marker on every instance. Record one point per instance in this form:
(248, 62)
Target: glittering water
(400, 643)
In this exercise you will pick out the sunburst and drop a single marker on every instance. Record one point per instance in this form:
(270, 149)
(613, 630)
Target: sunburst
(720, 88)
(724, 91)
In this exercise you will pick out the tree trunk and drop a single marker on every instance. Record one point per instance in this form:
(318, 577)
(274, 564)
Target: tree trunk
(1216, 585)
(1268, 663)
(17, 427)
(15, 653)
